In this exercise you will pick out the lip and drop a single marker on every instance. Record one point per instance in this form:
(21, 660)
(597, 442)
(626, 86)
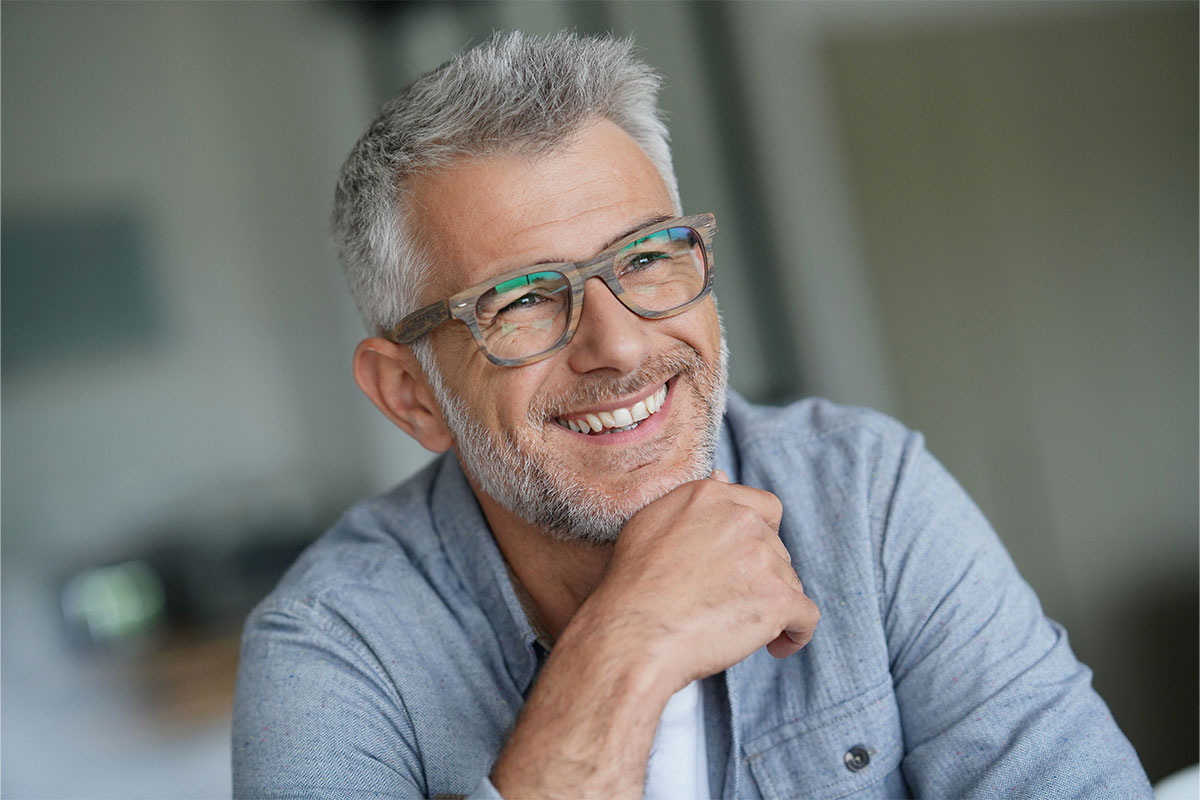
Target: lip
(645, 428)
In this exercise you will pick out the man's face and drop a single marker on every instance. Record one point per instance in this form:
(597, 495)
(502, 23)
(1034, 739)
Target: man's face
(486, 216)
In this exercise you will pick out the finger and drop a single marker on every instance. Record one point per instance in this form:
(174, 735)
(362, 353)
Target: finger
(719, 475)
(783, 646)
(779, 547)
(789, 576)
(799, 630)
(766, 504)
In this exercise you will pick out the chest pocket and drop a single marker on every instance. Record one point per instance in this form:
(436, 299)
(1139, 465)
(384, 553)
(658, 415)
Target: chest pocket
(836, 753)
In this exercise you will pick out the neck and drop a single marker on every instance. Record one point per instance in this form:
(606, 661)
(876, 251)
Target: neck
(557, 576)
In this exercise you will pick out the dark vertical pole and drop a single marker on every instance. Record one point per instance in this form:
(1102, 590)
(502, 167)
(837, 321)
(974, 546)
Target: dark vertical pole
(744, 173)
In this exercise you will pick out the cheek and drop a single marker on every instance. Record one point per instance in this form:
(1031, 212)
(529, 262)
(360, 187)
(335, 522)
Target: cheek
(701, 328)
(455, 345)
(712, 322)
(502, 396)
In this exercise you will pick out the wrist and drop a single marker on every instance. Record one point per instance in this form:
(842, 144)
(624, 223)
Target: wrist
(587, 727)
(633, 648)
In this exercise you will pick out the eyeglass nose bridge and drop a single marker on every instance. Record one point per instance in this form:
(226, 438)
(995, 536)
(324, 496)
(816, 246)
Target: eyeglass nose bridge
(577, 279)
(602, 267)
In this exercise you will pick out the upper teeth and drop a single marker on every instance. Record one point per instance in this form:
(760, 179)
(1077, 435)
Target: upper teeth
(595, 422)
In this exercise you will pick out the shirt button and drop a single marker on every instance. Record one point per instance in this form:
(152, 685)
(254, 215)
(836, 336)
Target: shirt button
(857, 758)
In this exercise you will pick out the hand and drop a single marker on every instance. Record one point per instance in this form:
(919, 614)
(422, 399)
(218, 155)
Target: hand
(701, 579)
(698, 580)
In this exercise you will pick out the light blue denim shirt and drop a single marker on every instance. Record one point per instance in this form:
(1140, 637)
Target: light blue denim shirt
(394, 657)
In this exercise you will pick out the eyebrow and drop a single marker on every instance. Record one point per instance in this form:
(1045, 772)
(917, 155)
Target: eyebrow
(646, 223)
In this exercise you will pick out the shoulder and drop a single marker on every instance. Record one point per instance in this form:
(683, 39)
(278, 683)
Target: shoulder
(377, 559)
(849, 442)
(318, 695)
(809, 420)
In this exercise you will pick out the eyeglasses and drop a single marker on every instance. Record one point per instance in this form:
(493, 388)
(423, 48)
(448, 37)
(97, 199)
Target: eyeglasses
(526, 315)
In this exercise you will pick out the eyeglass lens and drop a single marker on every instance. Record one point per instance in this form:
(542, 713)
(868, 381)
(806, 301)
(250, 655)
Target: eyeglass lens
(527, 316)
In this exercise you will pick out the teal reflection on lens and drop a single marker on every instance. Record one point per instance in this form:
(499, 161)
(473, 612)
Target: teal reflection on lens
(525, 280)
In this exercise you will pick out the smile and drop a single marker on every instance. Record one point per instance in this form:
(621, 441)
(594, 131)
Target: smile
(616, 420)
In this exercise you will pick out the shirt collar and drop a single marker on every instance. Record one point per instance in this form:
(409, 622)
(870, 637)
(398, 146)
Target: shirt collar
(474, 555)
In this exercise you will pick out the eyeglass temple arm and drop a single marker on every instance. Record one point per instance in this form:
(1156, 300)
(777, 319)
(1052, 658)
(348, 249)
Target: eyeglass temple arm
(420, 322)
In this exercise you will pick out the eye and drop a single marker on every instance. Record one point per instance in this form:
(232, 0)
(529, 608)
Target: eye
(641, 261)
(524, 301)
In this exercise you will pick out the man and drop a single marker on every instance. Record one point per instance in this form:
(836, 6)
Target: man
(596, 592)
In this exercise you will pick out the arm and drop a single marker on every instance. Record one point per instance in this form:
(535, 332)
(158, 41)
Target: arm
(698, 580)
(993, 702)
(316, 714)
(587, 727)
(313, 717)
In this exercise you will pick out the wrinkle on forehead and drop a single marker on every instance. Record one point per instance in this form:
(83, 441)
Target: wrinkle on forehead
(559, 221)
(484, 215)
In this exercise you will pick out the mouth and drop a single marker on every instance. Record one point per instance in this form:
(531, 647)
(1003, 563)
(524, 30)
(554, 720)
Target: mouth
(616, 419)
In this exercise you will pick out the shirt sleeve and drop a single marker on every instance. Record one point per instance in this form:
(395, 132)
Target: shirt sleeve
(314, 716)
(992, 700)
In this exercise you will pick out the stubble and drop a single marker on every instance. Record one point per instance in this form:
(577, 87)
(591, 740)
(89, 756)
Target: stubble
(535, 486)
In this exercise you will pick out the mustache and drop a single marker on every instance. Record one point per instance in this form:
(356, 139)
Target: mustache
(653, 371)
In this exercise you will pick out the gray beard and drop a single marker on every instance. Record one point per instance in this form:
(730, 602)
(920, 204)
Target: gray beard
(555, 501)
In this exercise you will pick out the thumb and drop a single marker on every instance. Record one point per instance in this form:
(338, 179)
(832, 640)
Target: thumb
(719, 475)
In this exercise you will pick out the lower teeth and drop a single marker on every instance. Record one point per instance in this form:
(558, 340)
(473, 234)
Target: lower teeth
(622, 430)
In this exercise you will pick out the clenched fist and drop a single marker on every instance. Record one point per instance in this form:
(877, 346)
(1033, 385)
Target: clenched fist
(700, 579)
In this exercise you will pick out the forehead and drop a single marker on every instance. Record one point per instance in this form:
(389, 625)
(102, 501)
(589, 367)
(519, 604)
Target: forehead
(480, 217)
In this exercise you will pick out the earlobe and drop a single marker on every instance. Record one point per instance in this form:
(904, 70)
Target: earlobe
(391, 377)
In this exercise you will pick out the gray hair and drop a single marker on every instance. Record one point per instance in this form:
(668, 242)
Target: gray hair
(512, 93)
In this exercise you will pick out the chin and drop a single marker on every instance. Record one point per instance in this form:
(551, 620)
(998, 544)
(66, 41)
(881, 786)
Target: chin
(592, 512)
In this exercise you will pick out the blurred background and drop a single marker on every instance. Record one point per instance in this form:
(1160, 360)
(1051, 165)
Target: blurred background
(978, 217)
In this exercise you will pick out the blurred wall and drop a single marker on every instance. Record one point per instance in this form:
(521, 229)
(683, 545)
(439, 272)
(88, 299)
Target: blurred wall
(215, 130)
(979, 217)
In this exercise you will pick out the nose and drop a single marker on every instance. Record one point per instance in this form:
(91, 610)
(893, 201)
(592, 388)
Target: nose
(609, 335)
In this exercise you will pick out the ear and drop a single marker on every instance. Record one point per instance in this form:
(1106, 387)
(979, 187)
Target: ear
(390, 375)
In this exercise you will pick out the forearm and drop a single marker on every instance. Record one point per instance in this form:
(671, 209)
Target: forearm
(587, 728)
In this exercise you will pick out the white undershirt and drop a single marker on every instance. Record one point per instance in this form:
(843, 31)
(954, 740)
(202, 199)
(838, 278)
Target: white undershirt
(678, 767)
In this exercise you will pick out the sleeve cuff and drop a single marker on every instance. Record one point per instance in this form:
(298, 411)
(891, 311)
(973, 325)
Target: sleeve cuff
(485, 791)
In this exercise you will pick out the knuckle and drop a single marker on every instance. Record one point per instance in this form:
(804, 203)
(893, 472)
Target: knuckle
(688, 493)
(768, 560)
(780, 594)
(775, 504)
(753, 555)
(811, 610)
(746, 517)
